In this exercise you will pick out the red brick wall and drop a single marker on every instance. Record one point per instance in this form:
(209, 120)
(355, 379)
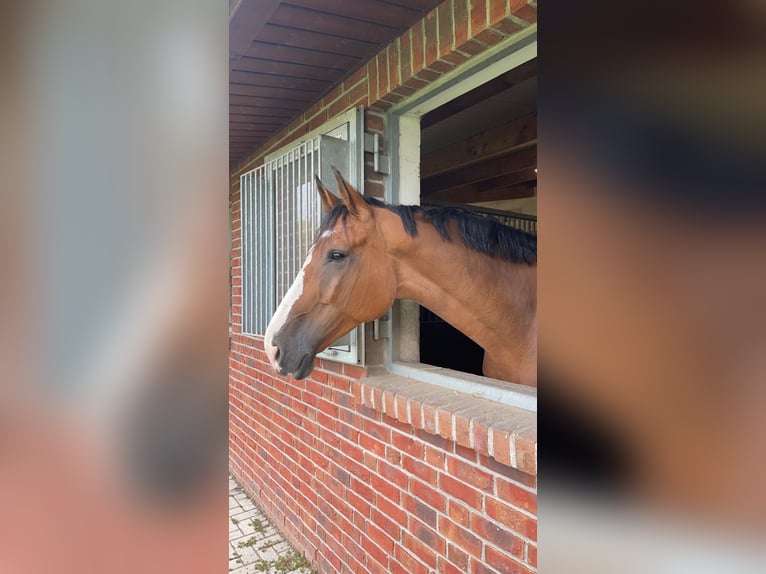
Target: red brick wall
(371, 479)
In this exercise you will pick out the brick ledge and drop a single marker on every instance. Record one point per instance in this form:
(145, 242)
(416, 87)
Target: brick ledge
(506, 433)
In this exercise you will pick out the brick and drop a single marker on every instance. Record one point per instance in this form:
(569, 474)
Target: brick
(430, 31)
(461, 537)
(446, 32)
(355, 77)
(501, 446)
(478, 16)
(372, 79)
(408, 444)
(479, 433)
(516, 496)
(470, 474)
(393, 511)
(373, 551)
(353, 371)
(525, 443)
(462, 23)
(511, 518)
(419, 509)
(467, 453)
(532, 555)
(522, 9)
(382, 59)
(427, 75)
(444, 567)
(394, 78)
(425, 534)
(489, 37)
(419, 469)
(422, 551)
(377, 430)
(459, 513)
(393, 475)
(405, 55)
(429, 495)
(497, 11)
(385, 524)
(435, 457)
(504, 564)
(460, 490)
(444, 423)
(408, 563)
(498, 535)
(384, 487)
(509, 26)
(457, 557)
(430, 422)
(472, 47)
(455, 58)
(418, 50)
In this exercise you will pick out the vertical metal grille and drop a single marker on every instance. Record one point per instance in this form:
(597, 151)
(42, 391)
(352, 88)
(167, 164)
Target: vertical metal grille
(281, 212)
(298, 210)
(257, 251)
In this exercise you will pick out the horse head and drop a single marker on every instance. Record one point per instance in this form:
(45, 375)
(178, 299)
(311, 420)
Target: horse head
(347, 279)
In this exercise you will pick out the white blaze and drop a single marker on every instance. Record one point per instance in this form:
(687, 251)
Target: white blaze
(282, 312)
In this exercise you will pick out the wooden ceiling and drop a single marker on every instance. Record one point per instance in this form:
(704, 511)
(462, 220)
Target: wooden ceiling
(496, 163)
(285, 54)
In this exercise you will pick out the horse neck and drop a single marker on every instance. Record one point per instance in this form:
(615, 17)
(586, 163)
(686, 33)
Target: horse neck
(489, 299)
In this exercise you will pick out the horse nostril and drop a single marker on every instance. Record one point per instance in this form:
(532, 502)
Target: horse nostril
(276, 355)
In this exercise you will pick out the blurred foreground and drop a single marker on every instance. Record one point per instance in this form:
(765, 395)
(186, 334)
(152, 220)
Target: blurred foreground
(652, 176)
(114, 258)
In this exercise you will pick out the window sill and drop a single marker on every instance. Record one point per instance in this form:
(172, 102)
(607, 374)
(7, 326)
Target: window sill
(503, 432)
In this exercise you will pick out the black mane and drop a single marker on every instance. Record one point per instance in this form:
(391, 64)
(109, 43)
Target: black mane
(481, 234)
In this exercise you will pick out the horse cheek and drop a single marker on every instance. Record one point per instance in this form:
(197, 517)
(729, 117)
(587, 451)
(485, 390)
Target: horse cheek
(328, 289)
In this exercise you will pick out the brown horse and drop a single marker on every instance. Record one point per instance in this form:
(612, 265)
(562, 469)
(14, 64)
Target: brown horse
(478, 275)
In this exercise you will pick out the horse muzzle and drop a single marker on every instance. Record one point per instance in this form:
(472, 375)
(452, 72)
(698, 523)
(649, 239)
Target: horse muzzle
(291, 359)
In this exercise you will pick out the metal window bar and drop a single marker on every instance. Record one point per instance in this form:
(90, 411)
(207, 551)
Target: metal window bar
(520, 221)
(281, 213)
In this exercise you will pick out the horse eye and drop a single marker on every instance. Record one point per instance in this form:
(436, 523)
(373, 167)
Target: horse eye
(336, 255)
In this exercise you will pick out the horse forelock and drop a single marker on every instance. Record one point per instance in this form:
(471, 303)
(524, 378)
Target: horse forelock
(479, 233)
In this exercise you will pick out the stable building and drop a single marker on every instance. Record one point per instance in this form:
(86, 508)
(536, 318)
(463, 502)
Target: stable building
(395, 454)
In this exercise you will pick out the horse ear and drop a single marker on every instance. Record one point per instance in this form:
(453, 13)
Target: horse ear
(353, 200)
(329, 200)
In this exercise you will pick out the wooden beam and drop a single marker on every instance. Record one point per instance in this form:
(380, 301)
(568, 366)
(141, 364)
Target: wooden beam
(481, 93)
(486, 185)
(511, 163)
(462, 195)
(487, 144)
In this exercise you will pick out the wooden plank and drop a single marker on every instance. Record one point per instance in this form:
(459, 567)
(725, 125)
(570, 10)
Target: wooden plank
(484, 145)
(399, 17)
(248, 111)
(247, 64)
(333, 24)
(503, 181)
(272, 81)
(422, 5)
(276, 93)
(460, 195)
(299, 55)
(503, 165)
(264, 102)
(318, 42)
(481, 93)
(246, 19)
(259, 122)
